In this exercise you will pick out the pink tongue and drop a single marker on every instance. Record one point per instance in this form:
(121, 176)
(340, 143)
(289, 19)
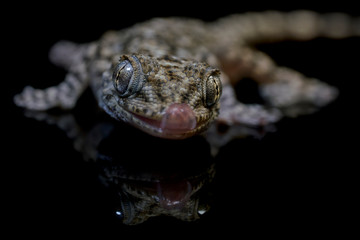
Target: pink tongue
(178, 118)
(173, 194)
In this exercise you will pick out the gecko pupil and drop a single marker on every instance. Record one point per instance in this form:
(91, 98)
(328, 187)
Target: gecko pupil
(122, 76)
(213, 91)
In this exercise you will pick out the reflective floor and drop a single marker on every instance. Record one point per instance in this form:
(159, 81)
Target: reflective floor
(93, 175)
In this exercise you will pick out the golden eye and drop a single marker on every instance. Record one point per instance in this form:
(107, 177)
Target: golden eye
(212, 90)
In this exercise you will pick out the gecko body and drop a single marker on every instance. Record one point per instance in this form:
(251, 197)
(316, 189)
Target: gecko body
(173, 77)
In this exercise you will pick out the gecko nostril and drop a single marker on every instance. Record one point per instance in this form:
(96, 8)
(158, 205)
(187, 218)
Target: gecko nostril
(178, 117)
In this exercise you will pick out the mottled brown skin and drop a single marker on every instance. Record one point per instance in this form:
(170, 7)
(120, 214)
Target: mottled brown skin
(167, 81)
(166, 76)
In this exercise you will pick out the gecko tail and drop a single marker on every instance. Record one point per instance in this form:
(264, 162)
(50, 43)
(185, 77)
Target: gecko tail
(300, 25)
(305, 25)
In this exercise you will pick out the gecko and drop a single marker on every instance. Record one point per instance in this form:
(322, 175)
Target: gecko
(173, 77)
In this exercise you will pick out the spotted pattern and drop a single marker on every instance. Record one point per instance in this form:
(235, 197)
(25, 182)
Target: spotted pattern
(188, 61)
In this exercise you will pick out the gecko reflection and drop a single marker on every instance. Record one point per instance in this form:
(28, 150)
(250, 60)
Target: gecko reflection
(148, 176)
(142, 194)
(155, 182)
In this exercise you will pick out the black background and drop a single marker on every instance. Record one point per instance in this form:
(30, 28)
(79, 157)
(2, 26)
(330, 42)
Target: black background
(292, 182)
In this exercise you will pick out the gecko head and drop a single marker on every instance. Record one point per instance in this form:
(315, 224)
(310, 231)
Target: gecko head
(166, 97)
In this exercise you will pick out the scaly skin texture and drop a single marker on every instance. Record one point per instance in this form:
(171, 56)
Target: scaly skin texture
(166, 76)
(169, 82)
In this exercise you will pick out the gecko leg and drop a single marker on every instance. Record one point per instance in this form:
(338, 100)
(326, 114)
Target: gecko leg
(234, 112)
(280, 87)
(69, 56)
(63, 95)
(296, 94)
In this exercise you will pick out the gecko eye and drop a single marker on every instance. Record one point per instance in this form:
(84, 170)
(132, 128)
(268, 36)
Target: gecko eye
(212, 90)
(128, 77)
(122, 76)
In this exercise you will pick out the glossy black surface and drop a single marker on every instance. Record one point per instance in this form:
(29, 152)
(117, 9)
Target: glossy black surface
(297, 179)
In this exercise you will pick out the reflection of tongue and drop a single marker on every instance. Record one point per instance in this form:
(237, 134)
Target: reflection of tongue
(173, 194)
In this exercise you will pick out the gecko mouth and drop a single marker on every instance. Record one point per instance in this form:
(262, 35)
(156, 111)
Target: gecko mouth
(178, 121)
(173, 194)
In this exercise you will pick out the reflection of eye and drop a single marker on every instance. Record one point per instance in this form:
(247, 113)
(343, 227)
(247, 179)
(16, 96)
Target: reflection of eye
(122, 76)
(119, 214)
(212, 90)
(128, 77)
